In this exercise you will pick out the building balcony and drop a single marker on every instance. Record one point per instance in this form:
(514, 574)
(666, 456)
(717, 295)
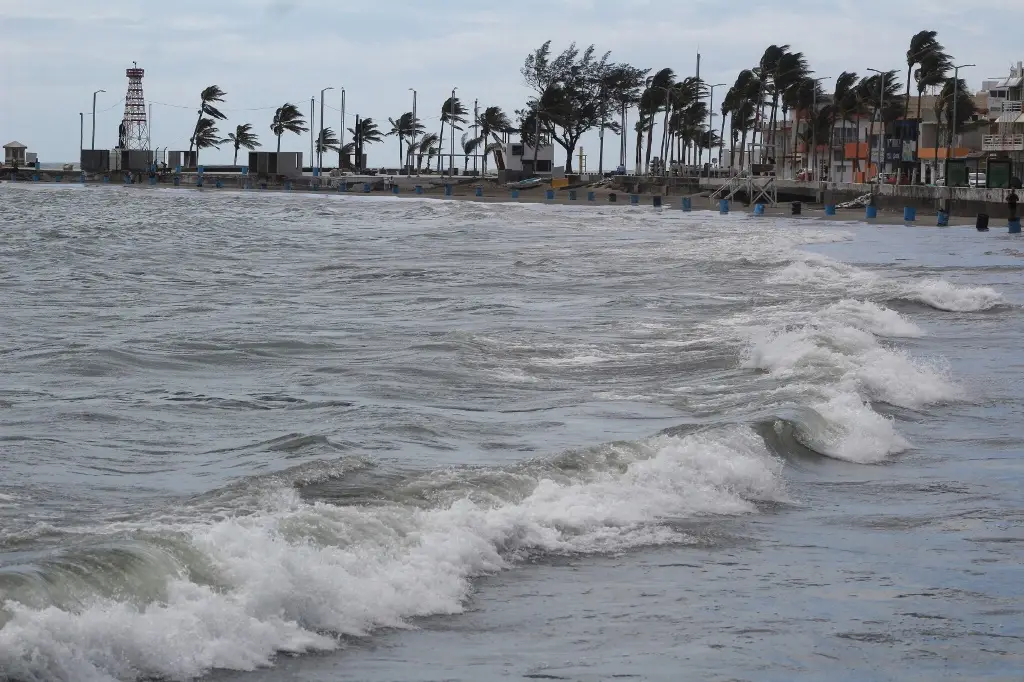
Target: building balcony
(1002, 143)
(1005, 106)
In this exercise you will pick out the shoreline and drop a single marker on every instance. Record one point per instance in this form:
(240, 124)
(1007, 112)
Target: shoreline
(537, 195)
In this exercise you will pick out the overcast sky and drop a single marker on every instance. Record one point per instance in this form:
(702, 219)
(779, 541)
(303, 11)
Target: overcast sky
(266, 52)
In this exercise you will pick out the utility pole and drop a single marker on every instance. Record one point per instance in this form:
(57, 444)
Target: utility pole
(81, 133)
(93, 144)
(711, 113)
(358, 161)
(952, 132)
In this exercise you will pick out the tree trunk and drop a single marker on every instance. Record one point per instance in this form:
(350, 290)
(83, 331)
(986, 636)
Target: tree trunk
(721, 143)
(192, 141)
(440, 146)
(856, 156)
(570, 147)
(639, 143)
(279, 144)
(650, 141)
(401, 156)
(600, 150)
(235, 162)
(743, 147)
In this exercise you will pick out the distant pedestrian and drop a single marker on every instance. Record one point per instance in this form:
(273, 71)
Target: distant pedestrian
(1011, 203)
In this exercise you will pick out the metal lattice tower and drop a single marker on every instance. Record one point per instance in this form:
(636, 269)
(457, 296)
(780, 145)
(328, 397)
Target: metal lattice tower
(134, 129)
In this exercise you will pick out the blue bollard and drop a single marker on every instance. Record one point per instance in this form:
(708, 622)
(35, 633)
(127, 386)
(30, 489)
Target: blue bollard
(830, 209)
(479, 191)
(177, 180)
(758, 209)
(723, 206)
(366, 187)
(943, 219)
(687, 204)
(591, 196)
(909, 214)
(1014, 226)
(394, 189)
(515, 194)
(549, 194)
(657, 202)
(447, 190)
(572, 195)
(634, 200)
(419, 189)
(871, 212)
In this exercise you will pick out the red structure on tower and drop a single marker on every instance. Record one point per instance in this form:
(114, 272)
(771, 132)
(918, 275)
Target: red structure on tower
(134, 130)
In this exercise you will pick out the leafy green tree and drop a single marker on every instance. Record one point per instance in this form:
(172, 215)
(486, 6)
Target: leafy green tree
(287, 119)
(243, 137)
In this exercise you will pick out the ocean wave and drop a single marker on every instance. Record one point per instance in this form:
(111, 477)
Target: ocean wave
(177, 600)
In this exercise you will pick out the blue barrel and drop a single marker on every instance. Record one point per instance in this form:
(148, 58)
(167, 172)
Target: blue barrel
(57, 178)
(366, 187)
(758, 209)
(515, 194)
(871, 212)
(35, 177)
(288, 185)
(612, 197)
(572, 195)
(634, 199)
(177, 169)
(591, 196)
(909, 214)
(83, 178)
(479, 191)
(419, 189)
(830, 209)
(549, 194)
(177, 180)
(342, 186)
(687, 204)
(723, 206)
(106, 178)
(394, 189)
(37, 165)
(315, 188)
(199, 169)
(447, 190)
(943, 219)
(263, 185)
(657, 201)
(316, 172)
(1014, 225)
(245, 170)
(218, 184)
(152, 181)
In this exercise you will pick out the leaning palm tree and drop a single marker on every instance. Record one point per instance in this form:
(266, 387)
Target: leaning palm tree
(922, 45)
(453, 112)
(206, 135)
(243, 137)
(493, 121)
(207, 97)
(368, 132)
(426, 146)
(287, 119)
(405, 128)
(469, 146)
(326, 141)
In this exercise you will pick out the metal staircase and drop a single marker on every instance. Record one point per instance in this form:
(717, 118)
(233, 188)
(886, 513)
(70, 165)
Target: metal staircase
(762, 189)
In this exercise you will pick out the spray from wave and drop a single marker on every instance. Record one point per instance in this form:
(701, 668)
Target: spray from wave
(172, 601)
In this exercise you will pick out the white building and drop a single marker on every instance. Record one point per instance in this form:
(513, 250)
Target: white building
(519, 158)
(1005, 96)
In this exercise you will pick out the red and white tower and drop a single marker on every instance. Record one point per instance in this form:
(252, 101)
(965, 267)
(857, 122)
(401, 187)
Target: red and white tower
(134, 130)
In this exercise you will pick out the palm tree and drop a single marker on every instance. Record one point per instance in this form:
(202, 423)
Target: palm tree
(922, 45)
(426, 146)
(453, 112)
(469, 146)
(348, 149)
(206, 135)
(769, 69)
(952, 90)
(367, 132)
(655, 98)
(327, 140)
(626, 84)
(844, 103)
(406, 128)
(243, 137)
(207, 97)
(493, 121)
(743, 98)
(287, 119)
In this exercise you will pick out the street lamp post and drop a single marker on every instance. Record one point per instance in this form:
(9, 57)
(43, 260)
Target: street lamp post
(952, 132)
(881, 124)
(320, 153)
(341, 134)
(814, 127)
(711, 109)
(93, 143)
(81, 133)
(412, 136)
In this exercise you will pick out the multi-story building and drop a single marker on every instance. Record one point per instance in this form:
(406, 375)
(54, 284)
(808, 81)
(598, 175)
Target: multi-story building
(1005, 95)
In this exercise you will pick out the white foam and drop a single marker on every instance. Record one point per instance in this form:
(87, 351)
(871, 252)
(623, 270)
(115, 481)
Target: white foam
(850, 430)
(942, 295)
(874, 318)
(284, 576)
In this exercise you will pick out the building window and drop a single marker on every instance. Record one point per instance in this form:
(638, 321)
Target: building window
(517, 150)
(543, 166)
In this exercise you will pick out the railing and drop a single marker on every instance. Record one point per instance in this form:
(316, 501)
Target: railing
(1006, 106)
(1002, 143)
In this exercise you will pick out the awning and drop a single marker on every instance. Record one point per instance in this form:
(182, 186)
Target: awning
(1009, 117)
